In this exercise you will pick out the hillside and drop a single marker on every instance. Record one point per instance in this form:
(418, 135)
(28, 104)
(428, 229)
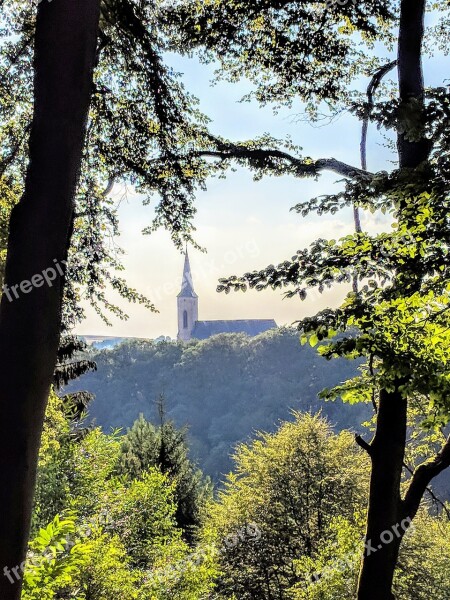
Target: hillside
(223, 388)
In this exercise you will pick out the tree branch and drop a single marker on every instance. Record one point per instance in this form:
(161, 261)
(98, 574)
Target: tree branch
(363, 444)
(429, 491)
(109, 187)
(422, 477)
(371, 89)
(15, 57)
(331, 164)
(303, 167)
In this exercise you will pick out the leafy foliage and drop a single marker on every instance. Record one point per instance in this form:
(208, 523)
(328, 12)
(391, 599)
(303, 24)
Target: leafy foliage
(287, 49)
(53, 564)
(107, 575)
(400, 308)
(56, 463)
(291, 485)
(144, 517)
(140, 117)
(113, 537)
(8, 198)
(294, 506)
(422, 569)
(399, 318)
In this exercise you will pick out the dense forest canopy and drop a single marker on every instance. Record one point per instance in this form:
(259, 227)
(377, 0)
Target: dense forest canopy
(222, 389)
(287, 522)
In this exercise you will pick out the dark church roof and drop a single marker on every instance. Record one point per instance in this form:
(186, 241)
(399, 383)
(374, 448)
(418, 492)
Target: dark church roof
(187, 286)
(205, 329)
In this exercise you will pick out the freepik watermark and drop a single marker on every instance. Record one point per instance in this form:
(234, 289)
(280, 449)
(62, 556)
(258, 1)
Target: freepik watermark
(46, 277)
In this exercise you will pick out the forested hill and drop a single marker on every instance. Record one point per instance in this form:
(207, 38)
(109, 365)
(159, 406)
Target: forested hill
(223, 388)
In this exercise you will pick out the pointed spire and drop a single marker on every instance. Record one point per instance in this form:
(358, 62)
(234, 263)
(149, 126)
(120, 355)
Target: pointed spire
(187, 285)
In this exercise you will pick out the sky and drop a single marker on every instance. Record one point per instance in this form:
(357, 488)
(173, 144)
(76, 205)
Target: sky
(243, 224)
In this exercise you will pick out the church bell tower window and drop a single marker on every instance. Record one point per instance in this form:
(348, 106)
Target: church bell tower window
(185, 319)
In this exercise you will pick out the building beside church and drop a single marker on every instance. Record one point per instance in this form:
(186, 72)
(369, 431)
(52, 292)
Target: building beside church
(189, 326)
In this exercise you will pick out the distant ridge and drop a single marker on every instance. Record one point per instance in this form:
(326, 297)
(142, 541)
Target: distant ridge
(105, 342)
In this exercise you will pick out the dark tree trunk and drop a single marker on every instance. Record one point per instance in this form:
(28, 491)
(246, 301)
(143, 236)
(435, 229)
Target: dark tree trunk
(384, 528)
(386, 512)
(65, 44)
(410, 77)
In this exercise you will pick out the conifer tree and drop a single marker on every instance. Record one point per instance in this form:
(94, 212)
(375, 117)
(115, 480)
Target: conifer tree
(139, 448)
(146, 446)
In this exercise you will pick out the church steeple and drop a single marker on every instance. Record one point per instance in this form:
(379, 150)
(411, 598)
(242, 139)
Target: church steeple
(187, 285)
(187, 303)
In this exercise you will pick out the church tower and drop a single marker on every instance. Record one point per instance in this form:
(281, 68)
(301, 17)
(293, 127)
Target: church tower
(187, 301)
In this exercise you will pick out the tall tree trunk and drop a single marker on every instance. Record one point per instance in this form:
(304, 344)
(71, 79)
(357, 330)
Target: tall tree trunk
(384, 530)
(410, 76)
(65, 45)
(386, 513)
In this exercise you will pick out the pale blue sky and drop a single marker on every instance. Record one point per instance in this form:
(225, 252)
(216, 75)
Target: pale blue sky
(243, 224)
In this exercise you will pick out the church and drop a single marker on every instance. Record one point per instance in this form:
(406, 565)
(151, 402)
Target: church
(189, 327)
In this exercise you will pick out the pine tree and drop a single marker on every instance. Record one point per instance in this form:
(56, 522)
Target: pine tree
(139, 448)
(146, 446)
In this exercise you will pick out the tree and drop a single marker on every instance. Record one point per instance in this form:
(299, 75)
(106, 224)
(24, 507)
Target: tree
(9, 194)
(399, 318)
(144, 516)
(65, 44)
(140, 448)
(96, 535)
(139, 113)
(145, 446)
(55, 466)
(422, 570)
(292, 513)
(71, 136)
(278, 502)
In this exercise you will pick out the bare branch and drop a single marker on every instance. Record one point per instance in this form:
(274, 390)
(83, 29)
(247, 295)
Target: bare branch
(371, 89)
